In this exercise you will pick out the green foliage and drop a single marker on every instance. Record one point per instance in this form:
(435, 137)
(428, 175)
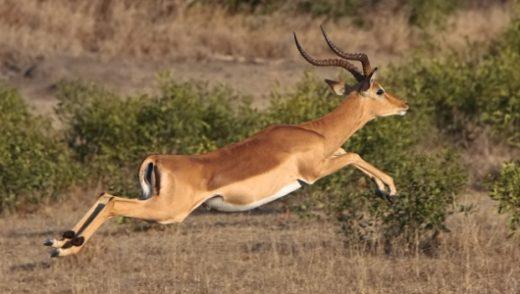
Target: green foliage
(506, 190)
(34, 165)
(427, 187)
(463, 92)
(423, 13)
(111, 135)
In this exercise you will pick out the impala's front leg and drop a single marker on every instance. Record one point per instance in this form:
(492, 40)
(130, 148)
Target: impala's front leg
(105, 208)
(341, 159)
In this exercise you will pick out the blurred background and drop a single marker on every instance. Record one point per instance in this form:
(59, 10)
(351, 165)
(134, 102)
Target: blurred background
(123, 44)
(89, 88)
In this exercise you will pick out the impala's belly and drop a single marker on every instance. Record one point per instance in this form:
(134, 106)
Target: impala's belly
(220, 203)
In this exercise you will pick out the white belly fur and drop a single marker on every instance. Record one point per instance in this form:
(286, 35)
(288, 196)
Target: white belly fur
(218, 203)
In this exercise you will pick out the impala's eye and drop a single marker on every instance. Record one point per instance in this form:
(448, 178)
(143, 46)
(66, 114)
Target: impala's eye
(380, 92)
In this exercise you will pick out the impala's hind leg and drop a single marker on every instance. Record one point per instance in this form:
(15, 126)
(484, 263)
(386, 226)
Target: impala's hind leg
(106, 207)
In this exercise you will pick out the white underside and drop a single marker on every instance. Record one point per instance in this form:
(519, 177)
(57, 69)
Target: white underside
(218, 203)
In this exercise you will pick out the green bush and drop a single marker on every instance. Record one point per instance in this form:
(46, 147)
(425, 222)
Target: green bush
(427, 186)
(475, 90)
(111, 135)
(34, 165)
(506, 190)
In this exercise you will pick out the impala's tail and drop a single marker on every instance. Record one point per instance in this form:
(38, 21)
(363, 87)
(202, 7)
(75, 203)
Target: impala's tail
(149, 178)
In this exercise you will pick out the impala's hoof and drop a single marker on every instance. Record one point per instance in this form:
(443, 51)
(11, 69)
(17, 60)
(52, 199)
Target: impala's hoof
(77, 241)
(55, 253)
(385, 196)
(380, 193)
(69, 234)
(48, 242)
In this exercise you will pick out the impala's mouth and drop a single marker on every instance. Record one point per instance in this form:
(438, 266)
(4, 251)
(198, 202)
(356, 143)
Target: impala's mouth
(402, 112)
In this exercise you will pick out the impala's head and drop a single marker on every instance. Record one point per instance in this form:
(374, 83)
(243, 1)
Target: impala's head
(373, 97)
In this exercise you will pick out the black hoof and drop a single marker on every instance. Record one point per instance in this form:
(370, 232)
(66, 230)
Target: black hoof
(78, 241)
(385, 196)
(66, 245)
(69, 234)
(55, 253)
(48, 242)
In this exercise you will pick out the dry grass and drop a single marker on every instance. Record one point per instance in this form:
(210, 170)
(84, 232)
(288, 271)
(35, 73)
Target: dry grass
(123, 44)
(253, 252)
(168, 29)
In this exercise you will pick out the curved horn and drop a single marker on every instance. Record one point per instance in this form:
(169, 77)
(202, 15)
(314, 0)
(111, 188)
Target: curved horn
(362, 57)
(329, 62)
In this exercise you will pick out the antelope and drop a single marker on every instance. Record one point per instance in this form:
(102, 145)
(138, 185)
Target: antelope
(262, 168)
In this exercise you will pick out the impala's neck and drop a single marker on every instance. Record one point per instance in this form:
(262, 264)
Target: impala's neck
(341, 123)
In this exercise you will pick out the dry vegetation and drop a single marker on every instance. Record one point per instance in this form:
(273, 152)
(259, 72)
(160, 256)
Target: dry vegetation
(122, 44)
(261, 252)
(171, 30)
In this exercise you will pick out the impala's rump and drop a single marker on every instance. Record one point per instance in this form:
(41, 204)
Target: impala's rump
(149, 178)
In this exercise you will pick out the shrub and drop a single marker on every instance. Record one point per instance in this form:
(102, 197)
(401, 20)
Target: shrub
(427, 189)
(34, 165)
(461, 92)
(506, 190)
(111, 135)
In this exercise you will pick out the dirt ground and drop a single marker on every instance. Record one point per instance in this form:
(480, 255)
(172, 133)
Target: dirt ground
(36, 84)
(264, 251)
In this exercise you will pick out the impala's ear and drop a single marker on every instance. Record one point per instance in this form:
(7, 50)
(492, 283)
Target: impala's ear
(369, 81)
(338, 87)
(372, 76)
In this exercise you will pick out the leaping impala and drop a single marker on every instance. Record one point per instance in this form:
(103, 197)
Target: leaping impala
(257, 170)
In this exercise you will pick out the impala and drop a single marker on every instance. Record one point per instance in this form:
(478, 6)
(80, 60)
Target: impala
(257, 170)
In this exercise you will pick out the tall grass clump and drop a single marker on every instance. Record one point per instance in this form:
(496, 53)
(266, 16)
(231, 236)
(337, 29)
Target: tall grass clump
(110, 135)
(34, 164)
(506, 190)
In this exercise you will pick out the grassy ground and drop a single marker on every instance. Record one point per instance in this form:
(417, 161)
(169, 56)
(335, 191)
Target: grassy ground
(260, 252)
